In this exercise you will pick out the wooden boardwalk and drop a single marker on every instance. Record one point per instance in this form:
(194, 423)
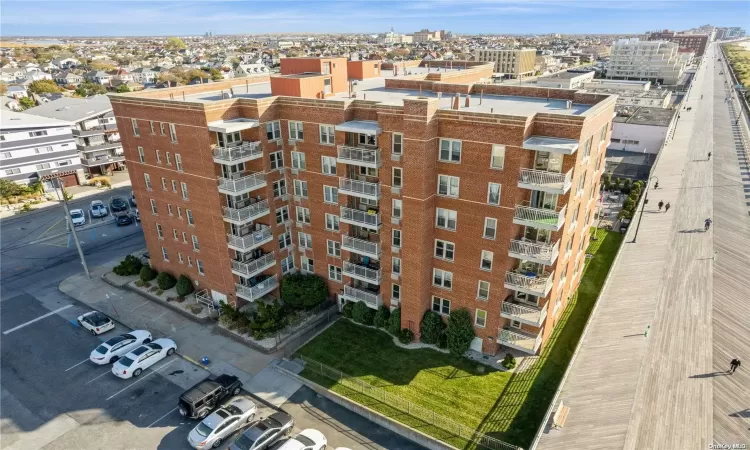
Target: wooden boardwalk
(631, 391)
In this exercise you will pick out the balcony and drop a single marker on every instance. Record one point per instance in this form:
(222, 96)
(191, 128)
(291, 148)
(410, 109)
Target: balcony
(252, 268)
(91, 132)
(362, 189)
(253, 293)
(98, 146)
(551, 144)
(250, 241)
(529, 283)
(362, 272)
(242, 185)
(538, 252)
(360, 246)
(369, 220)
(546, 219)
(365, 157)
(246, 214)
(101, 160)
(542, 180)
(371, 299)
(528, 314)
(525, 342)
(248, 151)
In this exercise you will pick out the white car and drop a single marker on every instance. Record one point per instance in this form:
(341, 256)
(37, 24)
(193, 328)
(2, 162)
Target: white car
(308, 439)
(111, 350)
(78, 217)
(222, 423)
(98, 209)
(96, 322)
(143, 357)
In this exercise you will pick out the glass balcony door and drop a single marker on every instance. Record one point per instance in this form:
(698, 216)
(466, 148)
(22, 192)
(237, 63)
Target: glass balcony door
(548, 161)
(543, 200)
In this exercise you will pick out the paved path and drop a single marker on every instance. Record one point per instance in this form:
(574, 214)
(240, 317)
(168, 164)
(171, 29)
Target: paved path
(629, 391)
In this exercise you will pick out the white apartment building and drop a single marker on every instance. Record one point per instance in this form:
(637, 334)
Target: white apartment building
(657, 61)
(510, 61)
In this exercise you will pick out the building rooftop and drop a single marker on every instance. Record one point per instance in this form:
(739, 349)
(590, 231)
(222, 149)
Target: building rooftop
(563, 75)
(644, 115)
(13, 120)
(73, 109)
(653, 93)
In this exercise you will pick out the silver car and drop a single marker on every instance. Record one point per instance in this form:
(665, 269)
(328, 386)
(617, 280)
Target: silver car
(222, 423)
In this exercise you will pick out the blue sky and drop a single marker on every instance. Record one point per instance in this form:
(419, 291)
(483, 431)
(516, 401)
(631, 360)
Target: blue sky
(184, 18)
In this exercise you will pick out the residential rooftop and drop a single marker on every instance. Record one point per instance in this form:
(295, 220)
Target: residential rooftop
(73, 109)
(644, 115)
(10, 120)
(563, 76)
(651, 93)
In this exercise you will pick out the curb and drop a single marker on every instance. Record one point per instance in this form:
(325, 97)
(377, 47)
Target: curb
(177, 309)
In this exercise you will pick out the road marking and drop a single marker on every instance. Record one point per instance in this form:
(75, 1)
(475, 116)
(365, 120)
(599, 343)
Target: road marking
(142, 378)
(37, 319)
(142, 304)
(75, 322)
(165, 415)
(106, 372)
(72, 367)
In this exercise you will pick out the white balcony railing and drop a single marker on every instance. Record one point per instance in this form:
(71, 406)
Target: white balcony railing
(524, 342)
(247, 151)
(359, 188)
(361, 218)
(546, 219)
(362, 273)
(365, 157)
(360, 246)
(253, 293)
(242, 185)
(254, 267)
(528, 314)
(247, 213)
(534, 251)
(534, 284)
(359, 295)
(250, 241)
(542, 180)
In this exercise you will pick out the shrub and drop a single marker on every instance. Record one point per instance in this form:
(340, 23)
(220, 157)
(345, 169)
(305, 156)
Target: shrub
(394, 322)
(381, 317)
(128, 266)
(153, 288)
(268, 318)
(184, 286)
(26, 207)
(405, 336)
(140, 282)
(460, 331)
(362, 314)
(431, 327)
(228, 315)
(346, 311)
(509, 362)
(159, 291)
(147, 273)
(303, 291)
(165, 281)
(103, 181)
(196, 309)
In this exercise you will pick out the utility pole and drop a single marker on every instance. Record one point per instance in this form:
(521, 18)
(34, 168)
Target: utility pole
(72, 228)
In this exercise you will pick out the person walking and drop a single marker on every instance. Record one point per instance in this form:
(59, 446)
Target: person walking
(709, 156)
(734, 365)
(661, 203)
(666, 207)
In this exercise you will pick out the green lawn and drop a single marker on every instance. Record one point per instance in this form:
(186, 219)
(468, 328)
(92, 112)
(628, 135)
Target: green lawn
(506, 406)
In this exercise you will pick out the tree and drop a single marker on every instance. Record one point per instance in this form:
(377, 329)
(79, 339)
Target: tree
(122, 88)
(88, 89)
(216, 74)
(44, 87)
(432, 327)
(394, 322)
(303, 291)
(361, 313)
(10, 189)
(165, 281)
(460, 331)
(381, 317)
(26, 102)
(175, 43)
(184, 286)
(98, 65)
(3, 88)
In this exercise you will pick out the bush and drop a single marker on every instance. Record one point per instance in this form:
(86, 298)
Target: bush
(362, 314)
(405, 336)
(303, 291)
(394, 322)
(381, 317)
(228, 315)
(103, 181)
(140, 283)
(147, 273)
(159, 291)
(346, 311)
(184, 286)
(196, 309)
(509, 362)
(128, 266)
(460, 331)
(165, 281)
(268, 318)
(431, 327)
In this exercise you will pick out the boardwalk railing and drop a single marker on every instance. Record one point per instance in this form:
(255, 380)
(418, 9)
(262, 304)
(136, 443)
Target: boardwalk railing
(397, 402)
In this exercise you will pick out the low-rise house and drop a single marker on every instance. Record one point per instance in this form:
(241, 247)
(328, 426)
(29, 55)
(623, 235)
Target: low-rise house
(244, 70)
(17, 92)
(9, 74)
(98, 76)
(65, 63)
(144, 76)
(68, 78)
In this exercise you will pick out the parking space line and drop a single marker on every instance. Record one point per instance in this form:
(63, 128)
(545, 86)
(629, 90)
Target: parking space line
(73, 367)
(142, 378)
(142, 304)
(51, 313)
(165, 415)
(106, 372)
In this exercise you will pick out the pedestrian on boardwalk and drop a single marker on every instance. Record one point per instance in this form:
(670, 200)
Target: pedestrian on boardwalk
(666, 207)
(709, 155)
(734, 365)
(661, 203)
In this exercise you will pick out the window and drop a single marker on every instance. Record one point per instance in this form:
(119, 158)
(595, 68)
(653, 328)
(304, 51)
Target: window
(178, 161)
(42, 166)
(141, 156)
(151, 125)
(158, 156)
(304, 240)
(169, 159)
(332, 222)
(183, 185)
(179, 212)
(307, 264)
(395, 292)
(287, 264)
(147, 179)
(581, 184)
(334, 272)
(303, 215)
(279, 188)
(444, 249)
(190, 219)
(450, 150)
(136, 133)
(398, 179)
(396, 266)
(164, 254)
(285, 240)
(498, 156)
(184, 237)
(587, 148)
(172, 132)
(397, 145)
(396, 238)
(282, 214)
(493, 194)
(333, 248)
(196, 246)
(159, 231)
(563, 275)
(44, 132)
(490, 228)
(396, 209)
(161, 128)
(368, 171)
(199, 264)
(298, 161)
(448, 186)
(163, 183)
(441, 305)
(8, 155)
(12, 171)
(330, 194)
(442, 278)
(180, 258)
(67, 162)
(273, 130)
(483, 290)
(328, 163)
(170, 210)
(190, 261)
(277, 160)
(174, 186)
(327, 135)
(480, 319)
(295, 131)
(486, 263)
(603, 133)
(446, 218)
(175, 234)
(300, 188)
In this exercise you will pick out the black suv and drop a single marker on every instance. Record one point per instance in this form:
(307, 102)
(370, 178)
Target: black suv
(118, 204)
(199, 400)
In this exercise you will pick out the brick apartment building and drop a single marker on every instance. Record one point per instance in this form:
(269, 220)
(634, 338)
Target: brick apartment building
(424, 191)
(688, 43)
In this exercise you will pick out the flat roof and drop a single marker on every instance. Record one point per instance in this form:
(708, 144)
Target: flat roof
(73, 109)
(232, 125)
(651, 93)
(551, 144)
(302, 75)
(644, 115)
(10, 120)
(360, 126)
(564, 75)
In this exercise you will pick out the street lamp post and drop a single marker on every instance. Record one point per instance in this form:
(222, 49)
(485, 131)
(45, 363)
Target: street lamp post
(643, 206)
(72, 227)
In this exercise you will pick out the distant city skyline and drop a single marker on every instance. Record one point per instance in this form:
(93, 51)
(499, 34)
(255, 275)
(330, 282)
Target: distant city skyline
(143, 18)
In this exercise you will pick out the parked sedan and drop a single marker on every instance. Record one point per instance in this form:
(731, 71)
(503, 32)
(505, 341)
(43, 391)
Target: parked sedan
(143, 357)
(111, 350)
(96, 322)
(263, 433)
(124, 219)
(222, 423)
(98, 209)
(308, 439)
(118, 204)
(77, 217)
